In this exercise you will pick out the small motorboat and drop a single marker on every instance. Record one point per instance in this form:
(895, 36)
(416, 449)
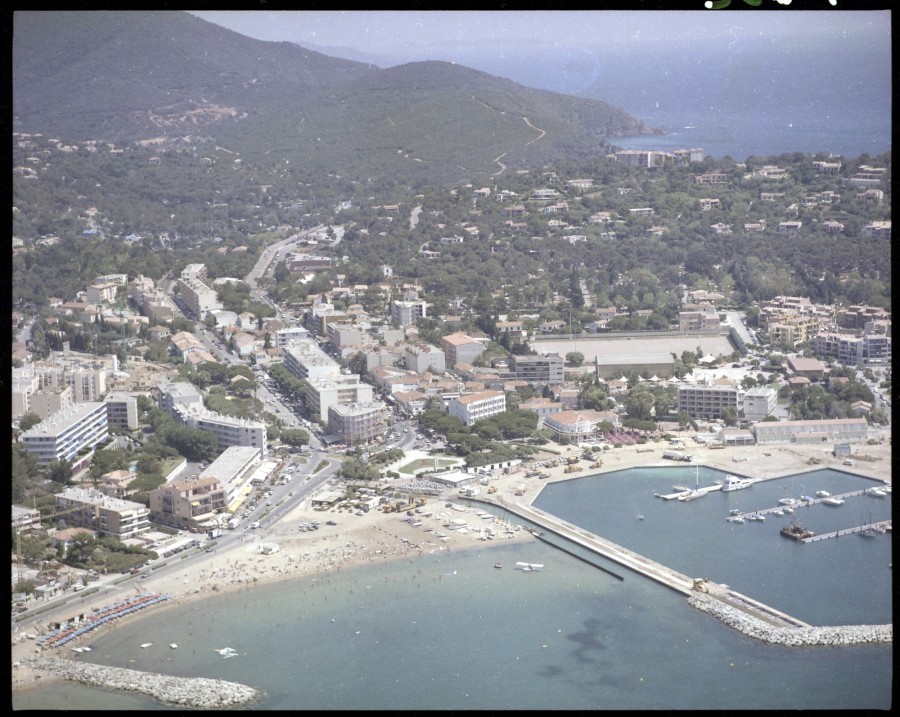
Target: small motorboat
(173, 645)
(823, 494)
(498, 565)
(640, 516)
(145, 645)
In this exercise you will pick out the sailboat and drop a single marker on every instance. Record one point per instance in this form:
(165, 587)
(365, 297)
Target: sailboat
(696, 493)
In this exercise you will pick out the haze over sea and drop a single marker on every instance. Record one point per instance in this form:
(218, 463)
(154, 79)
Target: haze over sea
(449, 631)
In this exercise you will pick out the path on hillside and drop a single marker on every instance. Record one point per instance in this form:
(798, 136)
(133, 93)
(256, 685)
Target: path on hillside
(541, 135)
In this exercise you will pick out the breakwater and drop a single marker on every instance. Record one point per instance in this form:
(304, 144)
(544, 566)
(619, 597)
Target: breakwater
(791, 636)
(194, 692)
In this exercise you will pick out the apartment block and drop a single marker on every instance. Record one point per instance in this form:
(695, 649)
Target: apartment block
(89, 508)
(63, 434)
(338, 390)
(188, 503)
(759, 402)
(407, 313)
(198, 298)
(829, 430)
(306, 360)
(476, 406)
(460, 348)
(424, 357)
(357, 422)
(706, 401)
(535, 370)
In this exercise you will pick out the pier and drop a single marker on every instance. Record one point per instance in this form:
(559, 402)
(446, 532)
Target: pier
(798, 504)
(648, 568)
(684, 495)
(880, 527)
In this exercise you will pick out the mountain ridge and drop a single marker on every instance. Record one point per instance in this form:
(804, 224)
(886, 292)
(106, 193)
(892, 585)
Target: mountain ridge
(124, 76)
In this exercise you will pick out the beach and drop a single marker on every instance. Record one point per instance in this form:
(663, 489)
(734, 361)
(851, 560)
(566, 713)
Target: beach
(378, 536)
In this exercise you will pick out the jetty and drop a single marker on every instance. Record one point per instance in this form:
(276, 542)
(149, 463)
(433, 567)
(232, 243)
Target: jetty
(879, 527)
(797, 504)
(658, 572)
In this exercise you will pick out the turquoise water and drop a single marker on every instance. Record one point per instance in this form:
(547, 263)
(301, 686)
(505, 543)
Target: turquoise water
(450, 631)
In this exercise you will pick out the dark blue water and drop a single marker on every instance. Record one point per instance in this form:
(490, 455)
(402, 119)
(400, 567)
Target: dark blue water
(449, 631)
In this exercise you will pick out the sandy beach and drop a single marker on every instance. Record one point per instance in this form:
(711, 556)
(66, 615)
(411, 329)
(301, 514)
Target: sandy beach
(378, 536)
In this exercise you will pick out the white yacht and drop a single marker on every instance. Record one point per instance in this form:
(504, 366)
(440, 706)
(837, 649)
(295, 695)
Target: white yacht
(734, 483)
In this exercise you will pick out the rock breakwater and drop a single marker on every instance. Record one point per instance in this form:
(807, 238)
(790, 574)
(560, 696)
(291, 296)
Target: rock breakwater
(195, 692)
(792, 636)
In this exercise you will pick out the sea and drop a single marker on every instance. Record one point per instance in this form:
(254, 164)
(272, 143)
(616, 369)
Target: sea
(447, 630)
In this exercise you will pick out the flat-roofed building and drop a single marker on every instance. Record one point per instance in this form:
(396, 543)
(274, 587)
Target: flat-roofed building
(121, 411)
(759, 402)
(337, 390)
(424, 357)
(357, 422)
(829, 430)
(306, 360)
(198, 297)
(707, 401)
(476, 406)
(233, 468)
(25, 518)
(63, 434)
(188, 502)
(407, 313)
(536, 369)
(288, 335)
(91, 509)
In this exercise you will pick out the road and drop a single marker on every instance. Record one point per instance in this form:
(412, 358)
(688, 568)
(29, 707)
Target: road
(736, 319)
(271, 255)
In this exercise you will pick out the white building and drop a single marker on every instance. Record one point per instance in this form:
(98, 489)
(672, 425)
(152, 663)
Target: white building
(91, 509)
(707, 401)
(337, 390)
(62, 435)
(306, 360)
(407, 313)
(357, 422)
(759, 402)
(476, 406)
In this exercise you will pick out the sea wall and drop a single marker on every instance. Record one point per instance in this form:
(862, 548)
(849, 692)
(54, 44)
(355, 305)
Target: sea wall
(195, 692)
(792, 636)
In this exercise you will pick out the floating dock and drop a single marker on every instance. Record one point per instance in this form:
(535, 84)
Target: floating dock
(880, 527)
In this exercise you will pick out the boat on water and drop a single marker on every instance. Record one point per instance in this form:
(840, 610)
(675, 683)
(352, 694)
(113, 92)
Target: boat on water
(777, 512)
(757, 516)
(173, 645)
(498, 565)
(807, 498)
(833, 501)
(788, 510)
(823, 494)
(876, 492)
(680, 488)
(869, 532)
(787, 501)
(796, 531)
(146, 644)
(734, 483)
(734, 511)
(529, 567)
(640, 516)
(739, 519)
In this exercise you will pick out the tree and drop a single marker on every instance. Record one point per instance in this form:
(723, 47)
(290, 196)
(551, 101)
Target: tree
(28, 421)
(729, 415)
(574, 358)
(59, 471)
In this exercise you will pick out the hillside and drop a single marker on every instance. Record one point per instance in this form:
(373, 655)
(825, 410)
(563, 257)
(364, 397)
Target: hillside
(129, 76)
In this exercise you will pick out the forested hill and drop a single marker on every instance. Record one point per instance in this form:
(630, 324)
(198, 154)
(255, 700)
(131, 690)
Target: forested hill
(135, 75)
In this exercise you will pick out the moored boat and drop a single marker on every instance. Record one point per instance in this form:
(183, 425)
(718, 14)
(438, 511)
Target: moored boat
(734, 483)
(796, 531)
(833, 501)
(823, 494)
